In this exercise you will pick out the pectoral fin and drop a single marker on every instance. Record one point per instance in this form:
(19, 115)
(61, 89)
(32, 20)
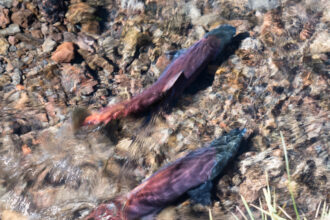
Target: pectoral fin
(169, 84)
(201, 194)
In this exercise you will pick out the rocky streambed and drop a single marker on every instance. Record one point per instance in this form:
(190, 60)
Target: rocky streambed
(56, 56)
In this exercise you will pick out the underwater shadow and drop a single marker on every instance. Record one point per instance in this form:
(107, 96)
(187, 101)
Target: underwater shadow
(205, 80)
(232, 165)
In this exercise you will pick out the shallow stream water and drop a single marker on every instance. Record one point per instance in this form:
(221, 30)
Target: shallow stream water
(276, 80)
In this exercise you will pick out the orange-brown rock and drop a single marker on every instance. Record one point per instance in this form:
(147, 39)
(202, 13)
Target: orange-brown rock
(37, 34)
(64, 53)
(80, 13)
(162, 62)
(22, 17)
(12, 40)
(4, 18)
(91, 27)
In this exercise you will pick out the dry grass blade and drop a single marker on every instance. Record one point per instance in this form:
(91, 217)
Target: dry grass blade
(210, 214)
(235, 217)
(247, 208)
(285, 156)
(263, 217)
(285, 213)
(325, 212)
(317, 210)
(241, 212)
(273, 217)
(289, 177)
(261, 210)
(268, 199)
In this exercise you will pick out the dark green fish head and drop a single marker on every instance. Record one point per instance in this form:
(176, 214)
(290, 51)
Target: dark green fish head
(229, 142)
(223, 32)
(227, 147)
(224, 35)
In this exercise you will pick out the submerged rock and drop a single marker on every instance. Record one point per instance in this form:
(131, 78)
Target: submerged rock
(80, 13)
(133, 5)
(6, 3)
(64, 53)
(12, 215)
(131, 39)
(321, 43)
(37, 34)
(22, 17)
(48, 45)
(16, 77)
(10, 30)
(91, 27)
(260, 4)
(4, 17)
(4, 45)
(75, 81)
(53, 10)
(94, 61)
